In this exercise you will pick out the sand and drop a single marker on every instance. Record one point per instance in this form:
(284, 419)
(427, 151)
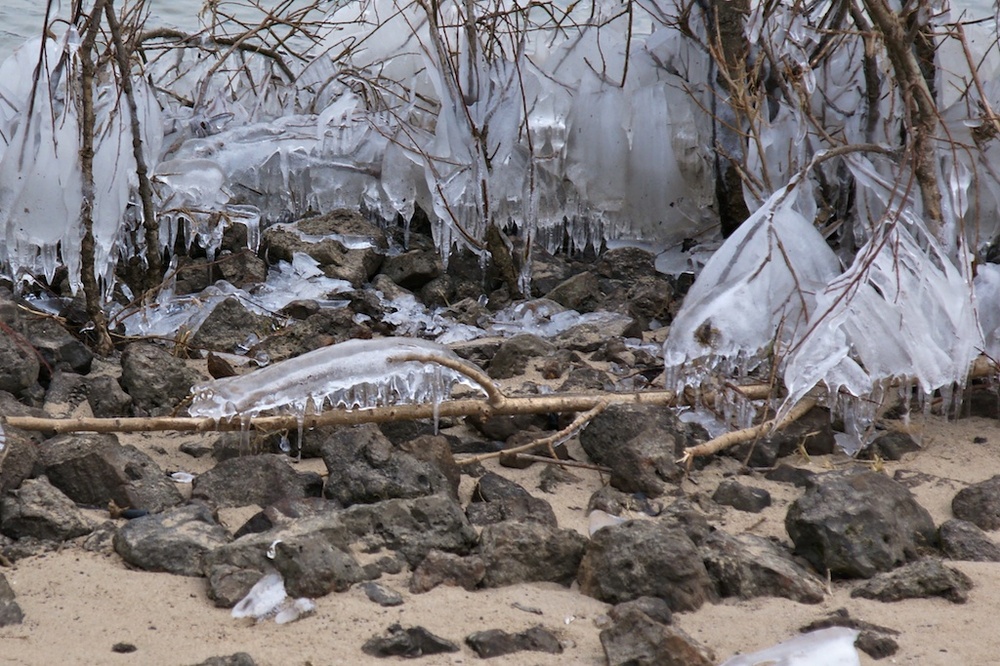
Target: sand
(78, 604)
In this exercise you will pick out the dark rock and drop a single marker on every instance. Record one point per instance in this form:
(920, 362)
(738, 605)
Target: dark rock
(813, 432)
(436, 450)
(638, 444)
(497, 642)
(235, 659)
(749, 566)
(382, 595)
(411, 643)
(858, 523)
(742, 498)
(39, 510)
(527, 552)
(553, 476)
(195, 449)
(228, 326)
(962, 540)
(412, 270)
(58, 348)
(328, 326)
(156, 380)
(502, 428)
(513, 355)
(917, 580)
(19, 549)
(66, 392)
(979, 504)
(636, 639)
(365, 467)
(580, 292)
(17, 459)
(889, 446)
(685, 515)
(94, 469)
(10, 612)
(496, 499)
(874, 640)
(106, 398)
(440, 568)
(175, 541)
(876, 646)
(313, 567)
(797, 476)
(101, 539)
(645, 558)
(284, 511)
(657, 609)
(648, 299)
(627, 264)
(123, 648)
(262, 479)
(243, 270)
(228, 584)
(19, 365)
(590, 336)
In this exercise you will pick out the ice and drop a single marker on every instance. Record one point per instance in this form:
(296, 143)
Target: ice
(825, 647)
(357, 374)
(268, 598)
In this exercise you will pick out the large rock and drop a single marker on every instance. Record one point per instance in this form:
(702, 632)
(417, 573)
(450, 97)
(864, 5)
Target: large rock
(497, 642)
(156, 380)
(261, 479)
(580, 292)
(527, 552)
(176, 541)
(313, 567)
(513, 356)
(95, 469)
(39, 510)
(637, 639)
(858, 523)
(638, 443)
(229, 325)
(962, 540)
(917, 580)
(106, 397)
(10, 612)
(58, 348)
(979, 504)
(18, 363)
(497, 499)
(365, 467)
(749, 566)
(645, 558)
(413, 269)
(17, 458)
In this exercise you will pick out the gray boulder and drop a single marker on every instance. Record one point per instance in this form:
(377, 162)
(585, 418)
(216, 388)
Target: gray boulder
(10, 612)
(176, 541)
(917, 580)
(749, 566)
(156, 380)
(37, 509)
(527, 552)
(962, 540)
(313, 567)
(637, 639)
(979, 504)
(261, 479)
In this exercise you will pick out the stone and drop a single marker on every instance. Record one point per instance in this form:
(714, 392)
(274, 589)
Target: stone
(412, 269)
(655, 608)
(742, 498)
(636, 639)
(65, 395)
(627, 264)
(261, 479)
(365, 467)
(313, 567)
(106, 398)
(517, 552)
(748, 566)
(962, 540)
(18, 458)
(176, 541)
(326, 327)
(19, 366)
(439, 568)
(94, 469)
(590, 336)
(649, 299)
(857, 523)
(874, 640)
(38, 509)
(917, 580)
(979, 504)
(497, 642)
(156, 380)
(10, 612)
(813, 432)
(411, 642)
(243, 270)
(382, 595)
(228, 584)
(496, 499)
(580, 292)
(514, 354)
(228, 326)
(797, 476)
(235, 659)
(638, 443)
(891, 445)
(645, 558)
(284, 511)
(59, 349)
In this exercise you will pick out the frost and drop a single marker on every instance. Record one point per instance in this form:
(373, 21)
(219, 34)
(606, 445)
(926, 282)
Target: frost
(357, 374)
(268, 598)
(825, 647)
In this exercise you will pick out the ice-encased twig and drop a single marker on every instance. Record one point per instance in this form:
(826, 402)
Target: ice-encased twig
(357, 374)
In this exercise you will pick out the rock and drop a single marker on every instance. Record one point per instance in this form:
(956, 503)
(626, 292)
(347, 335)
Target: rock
(37, 509)
(123, 648)
(382, 595)
(235, 659)
(917, 580)
(261, 479)
(514, 353)
(10, 612)
(497, 642)
(526, 552)
(580, 292)
(312, 567)
(962, 540)
(636, 639)
(437, 451)
(648, 299)
(638, 444)
(645, 558)
(66, 393)
(413, 269)
(228, 584)
(94, 469)
(889, 446)
(106, 397)
(553, 476)
(176, 541)
(657, 609)
(590, 336)
(18, 458)
(156, 380)
(858, 523)
(228, 326)
(365, 467)
(19, 365)
(243, 269)
(502, 428)
(328, 326)
(749, 566)
(496, 499)
(627, 264)
(979, 504)
(327, 238)
(813, 432)
(411, 642)
(58, 348)
(874, 640)
(797, 476)
(439, 568)
(742, 498)
(285, 511)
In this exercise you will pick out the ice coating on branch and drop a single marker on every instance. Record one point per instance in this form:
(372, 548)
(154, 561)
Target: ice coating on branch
(357, 374)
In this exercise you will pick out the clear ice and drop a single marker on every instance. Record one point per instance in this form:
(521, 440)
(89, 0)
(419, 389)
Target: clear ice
(268, 599)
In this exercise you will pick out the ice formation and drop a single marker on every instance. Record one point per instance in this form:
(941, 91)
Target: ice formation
(825, 647)
(268, 599)
(357, 374)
